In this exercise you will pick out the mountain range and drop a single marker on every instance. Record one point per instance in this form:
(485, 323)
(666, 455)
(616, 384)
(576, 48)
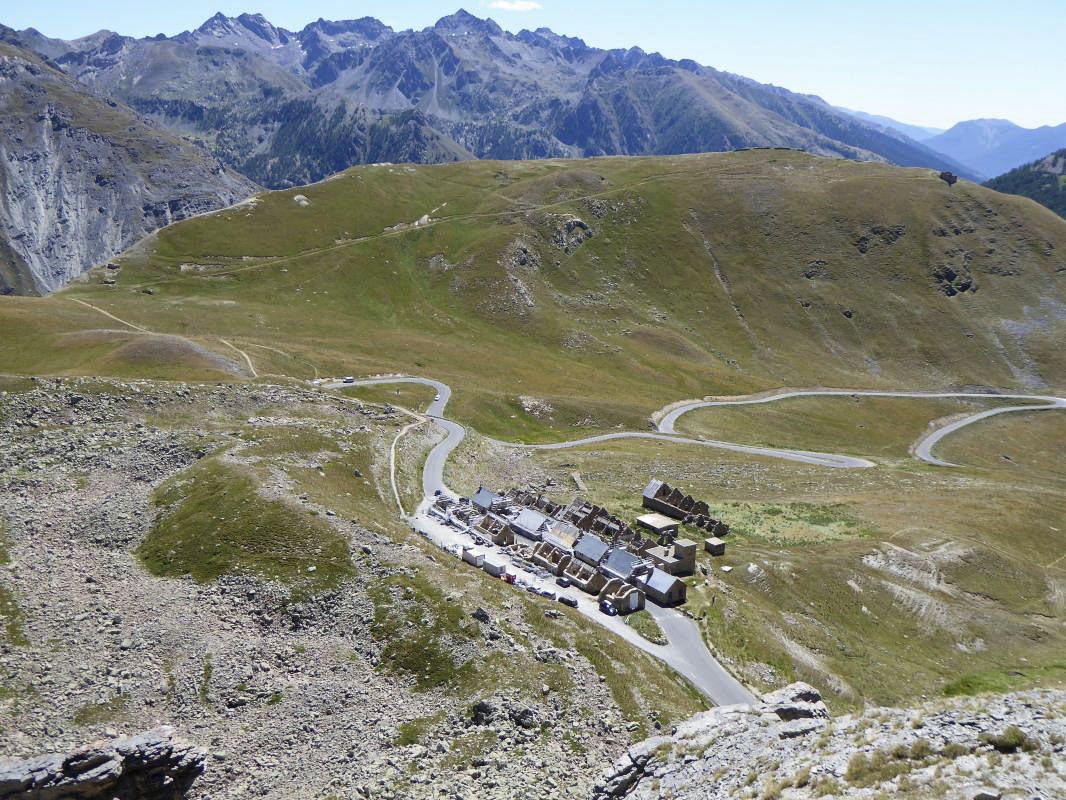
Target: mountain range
(287, 108)
(239, 100)
(917, 132)
(991, 147)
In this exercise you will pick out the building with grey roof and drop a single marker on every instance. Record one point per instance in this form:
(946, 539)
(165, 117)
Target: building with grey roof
(531, 524)
(591, 549)
(663, 588)
(622, 564)
(483, 499)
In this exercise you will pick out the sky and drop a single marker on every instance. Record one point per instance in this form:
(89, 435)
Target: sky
(923, 62)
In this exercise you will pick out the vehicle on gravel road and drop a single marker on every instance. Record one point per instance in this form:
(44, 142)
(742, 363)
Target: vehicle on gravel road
(608, 609)
(568, 601)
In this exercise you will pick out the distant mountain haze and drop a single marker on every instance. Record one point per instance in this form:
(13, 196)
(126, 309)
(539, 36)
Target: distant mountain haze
(287, 108)
(917, 132)
(994, 146)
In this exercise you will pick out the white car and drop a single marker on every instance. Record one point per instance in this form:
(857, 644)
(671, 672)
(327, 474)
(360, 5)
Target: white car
(436, 396)
(349, 379)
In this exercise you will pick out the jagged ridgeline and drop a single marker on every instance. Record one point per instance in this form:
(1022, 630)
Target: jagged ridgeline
(290, 107)
(607, 286)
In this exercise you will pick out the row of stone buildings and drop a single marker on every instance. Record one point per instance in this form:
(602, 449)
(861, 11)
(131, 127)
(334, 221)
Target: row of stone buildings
(596, 551)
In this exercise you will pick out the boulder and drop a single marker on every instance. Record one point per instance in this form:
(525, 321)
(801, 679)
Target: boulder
(482, 712)
(796, 701)
(153, 765)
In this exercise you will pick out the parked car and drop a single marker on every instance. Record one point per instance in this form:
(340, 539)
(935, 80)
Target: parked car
(563, 581)
(608, 608)
(550, 594)
(349, 379)
(568, 601)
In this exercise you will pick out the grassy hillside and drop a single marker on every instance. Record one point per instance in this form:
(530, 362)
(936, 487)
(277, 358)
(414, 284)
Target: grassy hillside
(1043, 181)
(876, 585)
(687, 276)
(713, 273)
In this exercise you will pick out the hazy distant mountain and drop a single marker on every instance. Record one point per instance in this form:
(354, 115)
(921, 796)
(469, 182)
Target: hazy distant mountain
(83, 177)
(1043, 181)
(994, 146)
(917, 132)
(290, 107)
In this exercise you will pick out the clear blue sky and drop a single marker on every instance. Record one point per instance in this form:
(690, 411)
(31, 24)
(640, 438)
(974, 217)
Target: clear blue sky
(926, 62)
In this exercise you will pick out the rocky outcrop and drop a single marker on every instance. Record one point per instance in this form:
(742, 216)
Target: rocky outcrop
(153, 765)
(82, 178)
(788, 747)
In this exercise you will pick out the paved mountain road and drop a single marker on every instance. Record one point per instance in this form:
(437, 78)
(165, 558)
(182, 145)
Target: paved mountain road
(923, 450)
(686, 652)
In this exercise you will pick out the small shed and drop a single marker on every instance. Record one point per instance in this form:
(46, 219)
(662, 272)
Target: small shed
(659, 524)
(714, 546)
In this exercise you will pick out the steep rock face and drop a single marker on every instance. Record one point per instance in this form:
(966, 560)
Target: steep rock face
(82, 178)
(153, 765)
(475, 90)
(787, 746)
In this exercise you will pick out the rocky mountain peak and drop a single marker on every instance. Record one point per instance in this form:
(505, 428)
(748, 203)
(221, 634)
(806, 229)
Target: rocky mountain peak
(264, 29)
(463, 22)
(367, 27)
(219, 23)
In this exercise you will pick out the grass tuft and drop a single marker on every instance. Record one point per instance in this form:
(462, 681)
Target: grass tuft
(213, 522)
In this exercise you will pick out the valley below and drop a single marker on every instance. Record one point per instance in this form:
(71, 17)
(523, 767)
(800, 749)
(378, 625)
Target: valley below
(206, 525)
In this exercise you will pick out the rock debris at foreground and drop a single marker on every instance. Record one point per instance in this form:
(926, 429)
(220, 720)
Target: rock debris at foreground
(154, 765)
(788, 746)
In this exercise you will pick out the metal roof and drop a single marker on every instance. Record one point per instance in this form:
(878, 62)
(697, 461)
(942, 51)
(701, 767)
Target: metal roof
(529, 520)
(590, 548)
(657, 521)
(562, 534)
(484, 498)
(660, 581)
(621, 562)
